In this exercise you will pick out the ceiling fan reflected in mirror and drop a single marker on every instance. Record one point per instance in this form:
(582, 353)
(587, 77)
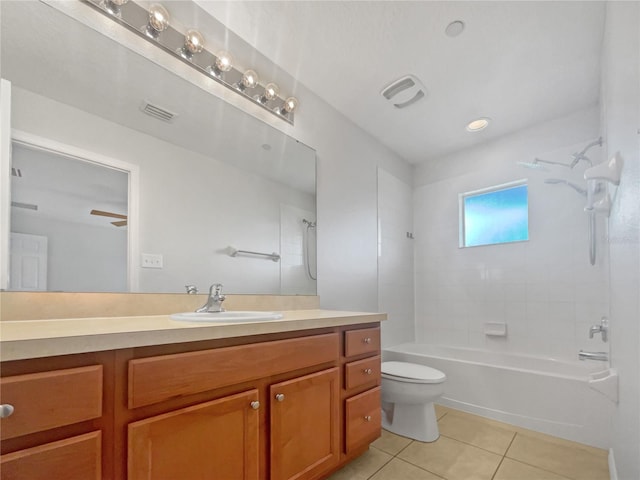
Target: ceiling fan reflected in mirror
(119, 223)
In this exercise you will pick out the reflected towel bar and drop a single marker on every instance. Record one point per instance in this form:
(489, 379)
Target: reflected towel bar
(273, 256)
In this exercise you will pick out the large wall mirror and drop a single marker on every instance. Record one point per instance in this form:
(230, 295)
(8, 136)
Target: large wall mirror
(121, 200)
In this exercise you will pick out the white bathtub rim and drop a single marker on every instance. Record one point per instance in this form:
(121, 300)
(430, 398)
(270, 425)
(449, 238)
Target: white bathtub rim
(588, 370)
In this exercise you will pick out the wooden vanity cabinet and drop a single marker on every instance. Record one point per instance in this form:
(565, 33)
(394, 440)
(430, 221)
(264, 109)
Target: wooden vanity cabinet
(295, 405)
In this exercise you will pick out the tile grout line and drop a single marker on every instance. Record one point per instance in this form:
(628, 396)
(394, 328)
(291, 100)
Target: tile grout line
(381, 466)
(504, 455)
(476, 446)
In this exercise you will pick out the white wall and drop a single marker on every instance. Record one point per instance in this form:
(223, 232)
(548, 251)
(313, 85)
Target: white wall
(189, 204)
(81, 258)
(544, 289)
(621, 122)
(395, 258)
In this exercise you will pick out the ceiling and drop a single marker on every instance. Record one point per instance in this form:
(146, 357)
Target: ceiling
(518, 63)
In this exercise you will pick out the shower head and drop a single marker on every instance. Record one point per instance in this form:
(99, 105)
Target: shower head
(577, 188)
(308, 223)
(581, 155)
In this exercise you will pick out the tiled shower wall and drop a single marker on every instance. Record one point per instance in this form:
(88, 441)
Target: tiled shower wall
(395, 259)
(544, 289)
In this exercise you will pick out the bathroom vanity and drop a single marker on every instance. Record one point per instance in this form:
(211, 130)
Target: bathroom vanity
(292, 398)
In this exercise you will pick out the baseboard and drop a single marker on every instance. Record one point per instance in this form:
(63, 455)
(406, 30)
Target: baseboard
(613, 473)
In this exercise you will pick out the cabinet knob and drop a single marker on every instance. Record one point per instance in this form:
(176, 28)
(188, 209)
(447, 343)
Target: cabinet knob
(367, 418)
(366, 340)
(367, 371)
(280, 397)
(6, 410)
(255, 405)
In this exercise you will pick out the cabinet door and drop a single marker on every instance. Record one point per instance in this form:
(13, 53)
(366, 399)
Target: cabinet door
(216, 440)
(304, 425)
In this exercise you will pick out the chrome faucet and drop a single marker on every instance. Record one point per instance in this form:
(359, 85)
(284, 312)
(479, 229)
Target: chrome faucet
(191, 289)
(601, 356)
(214, 302)
(603, 328)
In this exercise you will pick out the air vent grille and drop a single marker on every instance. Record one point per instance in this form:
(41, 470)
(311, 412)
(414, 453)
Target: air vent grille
(158, 112)
(28, 206)
(16, 172)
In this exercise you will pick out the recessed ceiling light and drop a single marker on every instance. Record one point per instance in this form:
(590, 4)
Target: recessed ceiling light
(454, 29)
(477, 124)
(266, 146)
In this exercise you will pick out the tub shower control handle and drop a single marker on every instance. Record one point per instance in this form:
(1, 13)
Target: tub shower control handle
(280, 397)
(255, 405)
(366, 340)
(367, 371)
(603, 329)
(6, 410)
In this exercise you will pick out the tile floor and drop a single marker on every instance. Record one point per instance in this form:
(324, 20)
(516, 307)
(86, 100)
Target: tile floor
(476, 448)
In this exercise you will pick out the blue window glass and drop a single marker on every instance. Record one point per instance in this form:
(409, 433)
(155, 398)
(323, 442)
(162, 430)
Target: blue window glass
(496, 216)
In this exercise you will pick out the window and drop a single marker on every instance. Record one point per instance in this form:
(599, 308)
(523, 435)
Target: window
(494, 215)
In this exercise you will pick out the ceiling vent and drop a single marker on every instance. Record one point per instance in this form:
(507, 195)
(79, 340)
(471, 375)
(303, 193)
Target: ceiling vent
(405, 91)
(157, 112)
(16, 172)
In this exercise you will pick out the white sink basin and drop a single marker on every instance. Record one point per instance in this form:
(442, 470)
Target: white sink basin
(237, 316)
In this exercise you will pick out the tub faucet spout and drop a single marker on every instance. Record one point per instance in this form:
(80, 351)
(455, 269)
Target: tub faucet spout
(601, 356)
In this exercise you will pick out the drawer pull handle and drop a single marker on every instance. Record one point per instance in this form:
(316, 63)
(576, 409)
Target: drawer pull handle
(366, 340)
(367, 371)
(255, 405)
(6, 410)
(280, 397)
(367, 418)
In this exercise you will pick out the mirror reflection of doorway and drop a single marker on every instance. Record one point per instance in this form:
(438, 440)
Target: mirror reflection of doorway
(80, 209)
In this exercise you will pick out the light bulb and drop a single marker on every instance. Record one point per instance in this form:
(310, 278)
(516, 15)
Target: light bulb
(113, 6)
(290, 104)
(249, 80)
(224, 61)
(193, 41)
(478, 124)
(271, 91)
(158, 18)
(119, 2)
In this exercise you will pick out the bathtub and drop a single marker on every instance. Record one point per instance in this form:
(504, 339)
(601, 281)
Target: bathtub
(540, 394)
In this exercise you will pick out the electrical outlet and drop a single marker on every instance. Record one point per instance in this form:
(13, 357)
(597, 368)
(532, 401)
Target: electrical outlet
(151, 260)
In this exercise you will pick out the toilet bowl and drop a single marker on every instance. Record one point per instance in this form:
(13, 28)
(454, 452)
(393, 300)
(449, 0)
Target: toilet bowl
(408, 393)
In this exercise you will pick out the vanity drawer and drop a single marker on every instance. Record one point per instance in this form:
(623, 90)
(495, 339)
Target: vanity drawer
(358, 342)
(155, 379)
(75, 458)
(362, 419)
(362, 372)
(46, 400)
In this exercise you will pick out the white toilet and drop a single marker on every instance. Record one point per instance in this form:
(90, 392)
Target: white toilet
(408, 393)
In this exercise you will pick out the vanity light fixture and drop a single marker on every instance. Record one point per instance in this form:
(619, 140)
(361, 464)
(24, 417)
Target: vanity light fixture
(158, 21)
(478, 124)
(189, 46)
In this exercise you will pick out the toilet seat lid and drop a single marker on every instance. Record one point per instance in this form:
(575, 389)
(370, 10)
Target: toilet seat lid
(412, 372)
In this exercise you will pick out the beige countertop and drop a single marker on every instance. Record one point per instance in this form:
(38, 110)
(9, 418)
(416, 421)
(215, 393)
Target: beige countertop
(44, 338)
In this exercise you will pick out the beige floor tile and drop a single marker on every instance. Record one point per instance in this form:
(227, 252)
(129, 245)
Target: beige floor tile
(598, 452)
(512, 470)
(452, 459)
(571, 460)
(397, 469)
(441, 411)
(363, 467)
(481, 434)
(391, 443)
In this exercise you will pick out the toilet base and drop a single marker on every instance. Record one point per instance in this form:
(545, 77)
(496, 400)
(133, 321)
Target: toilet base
(414, 421)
